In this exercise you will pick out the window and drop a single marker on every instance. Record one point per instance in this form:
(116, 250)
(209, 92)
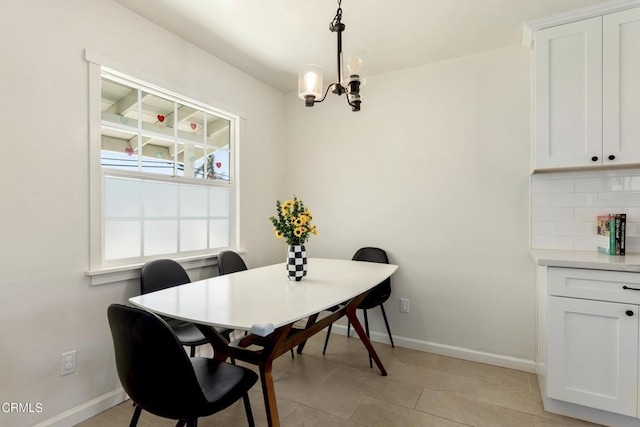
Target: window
(162, 173)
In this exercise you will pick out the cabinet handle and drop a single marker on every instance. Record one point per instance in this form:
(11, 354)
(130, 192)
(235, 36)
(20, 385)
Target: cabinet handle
(631, 289)
(594, 159)
(611, 157)
(629, 313)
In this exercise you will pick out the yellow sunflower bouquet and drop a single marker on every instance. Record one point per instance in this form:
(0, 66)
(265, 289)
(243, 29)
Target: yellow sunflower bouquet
(292, 222)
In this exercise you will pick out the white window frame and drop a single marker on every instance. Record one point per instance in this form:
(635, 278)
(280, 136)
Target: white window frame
(101, 271)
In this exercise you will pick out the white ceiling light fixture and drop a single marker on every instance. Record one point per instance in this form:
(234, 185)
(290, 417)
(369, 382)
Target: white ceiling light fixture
(310, 76)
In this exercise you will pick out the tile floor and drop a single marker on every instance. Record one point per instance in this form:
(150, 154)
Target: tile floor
(339, 389)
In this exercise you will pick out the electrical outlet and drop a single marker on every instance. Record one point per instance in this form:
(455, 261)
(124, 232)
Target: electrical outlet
(404, 305)
(68, 364)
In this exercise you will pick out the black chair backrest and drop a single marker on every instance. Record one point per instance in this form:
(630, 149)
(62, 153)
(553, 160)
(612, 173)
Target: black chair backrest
(153, 367)
(230, 262)
(162, 274)
(382, 291)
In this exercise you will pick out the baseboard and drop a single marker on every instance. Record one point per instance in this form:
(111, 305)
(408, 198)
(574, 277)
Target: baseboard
(86, 410)
(448, 350)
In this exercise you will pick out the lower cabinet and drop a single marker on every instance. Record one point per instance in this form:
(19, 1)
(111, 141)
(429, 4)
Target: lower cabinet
(593, 354)
(592, 338)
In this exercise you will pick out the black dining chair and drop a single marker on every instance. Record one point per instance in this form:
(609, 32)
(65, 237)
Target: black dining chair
(160, 378)
(165, 273)
(378, 295)
(230, 262)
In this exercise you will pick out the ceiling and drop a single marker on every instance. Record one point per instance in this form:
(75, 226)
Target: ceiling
(271, 39)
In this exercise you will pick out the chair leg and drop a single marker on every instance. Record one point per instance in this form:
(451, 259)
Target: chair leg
(292, 356)
(181, 423)
(136, 417)
(326, 340)
(192, 353)
(386, 323)
(247, 408)
(366, 328)
(348, 328)
(193, 422)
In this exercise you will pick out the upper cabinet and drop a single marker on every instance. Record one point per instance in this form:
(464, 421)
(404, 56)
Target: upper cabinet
(621, 86)
(587, 93)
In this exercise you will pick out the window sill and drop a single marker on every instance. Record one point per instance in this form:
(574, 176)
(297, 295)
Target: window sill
(121, 273)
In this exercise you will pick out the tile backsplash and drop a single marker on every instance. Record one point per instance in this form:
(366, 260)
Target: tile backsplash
(564, 207)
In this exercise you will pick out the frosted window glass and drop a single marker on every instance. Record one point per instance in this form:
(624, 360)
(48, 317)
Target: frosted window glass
(219, 202)
(160, 199)
(193, 235)
(193, 201)
(121, 239)
(160, 237)
(218, 233)
(121, 198)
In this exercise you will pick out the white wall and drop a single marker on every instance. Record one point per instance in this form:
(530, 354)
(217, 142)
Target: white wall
(434, 169)
(564, 207)
(46, 303)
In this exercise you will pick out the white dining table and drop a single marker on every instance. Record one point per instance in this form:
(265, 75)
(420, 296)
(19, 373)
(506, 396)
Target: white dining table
(264, 302)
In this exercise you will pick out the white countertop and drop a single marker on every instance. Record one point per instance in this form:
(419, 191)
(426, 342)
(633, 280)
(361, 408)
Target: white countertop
(586, 259)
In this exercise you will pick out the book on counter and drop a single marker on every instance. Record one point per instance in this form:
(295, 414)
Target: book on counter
(612, 233)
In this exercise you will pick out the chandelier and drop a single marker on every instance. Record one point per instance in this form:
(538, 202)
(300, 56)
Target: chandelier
(310, 76)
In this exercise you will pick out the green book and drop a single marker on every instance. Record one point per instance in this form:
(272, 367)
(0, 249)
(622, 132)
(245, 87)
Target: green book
(606, 234)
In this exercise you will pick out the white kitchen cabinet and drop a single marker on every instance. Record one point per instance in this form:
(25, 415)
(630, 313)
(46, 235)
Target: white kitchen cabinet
(587, 94)
(568, 95)
(591, 330)
(621, 86)
(593, 354)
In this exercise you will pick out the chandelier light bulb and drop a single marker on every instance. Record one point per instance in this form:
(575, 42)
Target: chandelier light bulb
(356, 70)
(310, 82)
(310, 79)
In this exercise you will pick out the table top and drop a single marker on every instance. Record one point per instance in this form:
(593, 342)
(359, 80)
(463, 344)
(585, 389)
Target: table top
(264, 298)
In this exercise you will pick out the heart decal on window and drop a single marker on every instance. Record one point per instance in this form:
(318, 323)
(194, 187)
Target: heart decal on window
(160, 118)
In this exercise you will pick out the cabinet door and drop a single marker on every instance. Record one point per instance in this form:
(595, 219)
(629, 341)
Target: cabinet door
(568, 95)
(593, 354)
(621, 87)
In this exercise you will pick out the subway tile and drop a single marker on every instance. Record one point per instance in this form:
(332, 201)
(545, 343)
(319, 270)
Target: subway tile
(574, 199)
(585, 243)
(597, 184)
(632, 229)
(627, 198)
(590, 214)
(564, 218)
(542, 200)
(552, 186)
(622, 172)
(574, 228)
(541, 228)
(633, 213)
(632, 245)
(552, 242)
(552, 214)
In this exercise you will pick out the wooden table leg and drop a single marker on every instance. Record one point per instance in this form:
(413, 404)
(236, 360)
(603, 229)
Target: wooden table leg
(269, 393)
(351, 314)
(310, 321)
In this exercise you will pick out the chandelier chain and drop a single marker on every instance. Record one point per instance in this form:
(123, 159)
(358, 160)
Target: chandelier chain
(336, 19)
